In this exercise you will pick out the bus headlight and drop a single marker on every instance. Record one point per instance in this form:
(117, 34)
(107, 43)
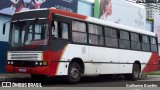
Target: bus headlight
(36, 63)
(8, 62)
(11, 62)
(41, 63)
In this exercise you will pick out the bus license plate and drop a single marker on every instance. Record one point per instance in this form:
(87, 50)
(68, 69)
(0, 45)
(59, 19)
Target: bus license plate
(22, 70)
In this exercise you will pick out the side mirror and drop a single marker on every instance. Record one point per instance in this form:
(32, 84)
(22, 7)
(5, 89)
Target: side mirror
(4, 28)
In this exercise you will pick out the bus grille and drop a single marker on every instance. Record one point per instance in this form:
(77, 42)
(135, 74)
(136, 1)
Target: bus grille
(27, 55)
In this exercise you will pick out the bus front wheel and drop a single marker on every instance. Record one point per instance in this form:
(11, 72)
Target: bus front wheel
(74, 73)
(135, 72)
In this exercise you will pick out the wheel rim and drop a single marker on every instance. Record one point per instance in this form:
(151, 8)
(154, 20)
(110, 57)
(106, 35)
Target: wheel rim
(136, 72)
(74, 73)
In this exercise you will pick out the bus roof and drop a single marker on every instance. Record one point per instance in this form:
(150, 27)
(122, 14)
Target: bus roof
(96, 21)
(101, 22)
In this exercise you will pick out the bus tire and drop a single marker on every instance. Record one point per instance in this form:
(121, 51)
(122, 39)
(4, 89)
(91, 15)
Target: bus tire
(135, 73)
(74, 73)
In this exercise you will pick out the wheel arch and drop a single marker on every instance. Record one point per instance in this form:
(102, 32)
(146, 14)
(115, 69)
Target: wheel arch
(80, 62)
(138, 63)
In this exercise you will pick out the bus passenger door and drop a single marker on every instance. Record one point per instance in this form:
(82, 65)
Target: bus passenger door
(60, 38)
(59, 42)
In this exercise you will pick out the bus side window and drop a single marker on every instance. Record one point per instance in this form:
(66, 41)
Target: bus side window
(54, 29)
(154, 47)
(64, 29)
(79, 34)
(145, 43)
(60, 30)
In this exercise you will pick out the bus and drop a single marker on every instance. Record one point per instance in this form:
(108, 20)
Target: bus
(52, 42)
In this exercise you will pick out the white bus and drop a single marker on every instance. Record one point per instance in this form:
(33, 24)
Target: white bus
(52, 42)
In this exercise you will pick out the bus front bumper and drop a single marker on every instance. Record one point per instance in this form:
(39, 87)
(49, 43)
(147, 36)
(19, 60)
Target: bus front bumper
(41, 70)
(29, 68)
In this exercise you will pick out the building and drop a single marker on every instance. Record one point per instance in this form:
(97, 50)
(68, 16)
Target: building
(151, 9)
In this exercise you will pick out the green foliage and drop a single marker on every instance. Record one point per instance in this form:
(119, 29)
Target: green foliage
(150, 20)
(152, 73)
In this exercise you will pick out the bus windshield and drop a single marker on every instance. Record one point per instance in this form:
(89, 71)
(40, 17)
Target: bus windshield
(34, 32)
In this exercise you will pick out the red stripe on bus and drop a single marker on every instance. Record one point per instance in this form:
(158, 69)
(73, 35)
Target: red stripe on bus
(49, 56)
(66, 13)
(152, 64)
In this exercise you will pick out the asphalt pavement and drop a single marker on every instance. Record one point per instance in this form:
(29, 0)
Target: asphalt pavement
(94, 81)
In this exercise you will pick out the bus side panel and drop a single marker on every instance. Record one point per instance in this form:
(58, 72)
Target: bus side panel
(145, 59)
(127, 58)
(152, 64)
(104, 60)
(100, 60)
(72, 51)
(62, 68)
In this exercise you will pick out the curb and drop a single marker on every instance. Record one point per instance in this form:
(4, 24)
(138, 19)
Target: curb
(153, 76)
(5, 77)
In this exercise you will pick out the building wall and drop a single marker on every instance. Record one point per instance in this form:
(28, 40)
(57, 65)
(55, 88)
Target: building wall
(3, 19)
(85, 8)
(152, 8)
(3, 41)
(149, 26)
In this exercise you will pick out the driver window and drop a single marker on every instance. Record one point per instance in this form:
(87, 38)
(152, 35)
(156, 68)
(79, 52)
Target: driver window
(64, 28)
(60, 30)
(54, 29)
(37, 32)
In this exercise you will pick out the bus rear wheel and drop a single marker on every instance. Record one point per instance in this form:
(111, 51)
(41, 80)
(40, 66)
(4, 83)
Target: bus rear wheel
(74, 73)
(135, 73)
